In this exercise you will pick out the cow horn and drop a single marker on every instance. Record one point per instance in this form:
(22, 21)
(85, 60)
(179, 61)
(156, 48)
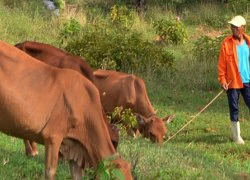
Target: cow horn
(169, 118)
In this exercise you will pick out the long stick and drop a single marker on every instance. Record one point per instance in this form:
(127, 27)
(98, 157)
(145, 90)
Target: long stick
(196, 115)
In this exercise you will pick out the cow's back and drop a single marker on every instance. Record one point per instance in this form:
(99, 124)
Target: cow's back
(121, 89)
(56, 57)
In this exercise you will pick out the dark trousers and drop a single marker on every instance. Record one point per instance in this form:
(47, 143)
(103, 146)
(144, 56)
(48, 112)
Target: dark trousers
(233, 100)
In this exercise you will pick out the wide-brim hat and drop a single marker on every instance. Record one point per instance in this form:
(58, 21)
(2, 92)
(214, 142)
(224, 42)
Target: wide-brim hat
(238, 21)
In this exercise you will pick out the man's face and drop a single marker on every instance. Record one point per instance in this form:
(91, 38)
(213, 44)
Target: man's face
(237, 31)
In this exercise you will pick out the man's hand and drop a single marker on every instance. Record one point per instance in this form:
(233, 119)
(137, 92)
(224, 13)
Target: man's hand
(225, 86)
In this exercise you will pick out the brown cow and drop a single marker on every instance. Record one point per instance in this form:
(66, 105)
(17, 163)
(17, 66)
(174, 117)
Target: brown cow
(38, 102)
(128, 91)
(59, 58)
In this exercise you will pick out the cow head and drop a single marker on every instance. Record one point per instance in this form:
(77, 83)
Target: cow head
(153, 128)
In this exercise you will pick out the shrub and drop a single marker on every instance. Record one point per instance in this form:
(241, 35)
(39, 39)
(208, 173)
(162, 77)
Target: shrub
(207, 48)
(122, 16)
(171, 30)
(106, 170)
(60, 4)
(124, 115)
(70, 28)
(109, 48)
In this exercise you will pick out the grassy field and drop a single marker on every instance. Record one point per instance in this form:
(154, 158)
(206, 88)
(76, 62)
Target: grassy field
(203, 150)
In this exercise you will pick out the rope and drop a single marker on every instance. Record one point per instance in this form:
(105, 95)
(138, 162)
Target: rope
(196, 114)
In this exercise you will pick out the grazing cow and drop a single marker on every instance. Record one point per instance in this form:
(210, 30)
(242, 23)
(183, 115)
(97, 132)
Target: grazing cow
(56, 107)
(126, 90)
(58, 58)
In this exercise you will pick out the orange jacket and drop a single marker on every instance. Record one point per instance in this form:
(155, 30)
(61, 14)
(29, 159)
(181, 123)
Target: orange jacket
(228, 63)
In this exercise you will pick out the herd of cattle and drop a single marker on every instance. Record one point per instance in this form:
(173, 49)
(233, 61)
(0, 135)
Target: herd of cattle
(51, 97)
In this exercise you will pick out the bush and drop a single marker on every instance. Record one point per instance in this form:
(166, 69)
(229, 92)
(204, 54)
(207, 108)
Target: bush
(207, 48)
(107, 170)
(60, 4)
(123, 115)
(70, 28)
(171, 30)
(121, 16)
(109, 48)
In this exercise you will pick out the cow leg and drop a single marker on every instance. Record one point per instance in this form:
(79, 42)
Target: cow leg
(34, 148)
(76, 171)
(30, 148)
(52, 146)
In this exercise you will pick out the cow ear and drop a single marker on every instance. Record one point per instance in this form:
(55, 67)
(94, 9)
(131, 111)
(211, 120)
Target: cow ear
(169, 118)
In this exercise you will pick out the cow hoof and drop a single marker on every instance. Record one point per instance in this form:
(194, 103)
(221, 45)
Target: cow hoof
(34, 153)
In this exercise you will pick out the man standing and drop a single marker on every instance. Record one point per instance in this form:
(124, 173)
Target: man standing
(234, 71)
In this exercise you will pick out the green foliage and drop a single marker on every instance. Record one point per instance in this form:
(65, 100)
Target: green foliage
(28, 22)
(71, 1)
(207, 48)
(202, 64)
(121, 16)
(216, 21)
(107, 171)
(70, 28)
(60, 4)
(124, 115)
(171, 30)
(239, 6)
(212, 15)
(109, 48)
(14, 3)
(38, 8)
